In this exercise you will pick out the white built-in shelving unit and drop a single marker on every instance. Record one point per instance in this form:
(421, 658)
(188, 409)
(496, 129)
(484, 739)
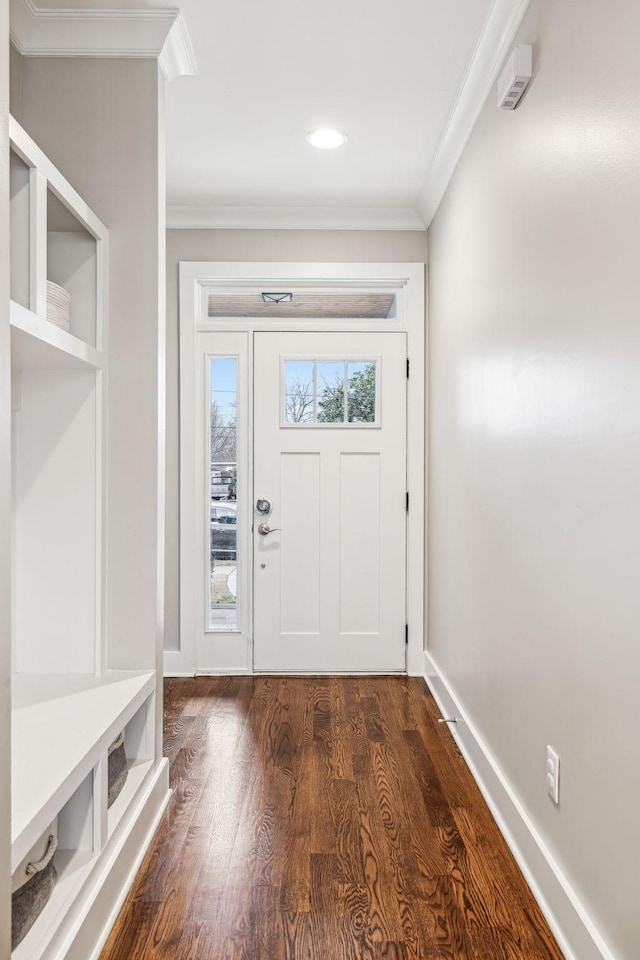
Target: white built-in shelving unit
(67, 704)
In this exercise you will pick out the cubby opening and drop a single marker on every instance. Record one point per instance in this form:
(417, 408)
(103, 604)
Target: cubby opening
(72, 265)
(139, 736)
(77, 849)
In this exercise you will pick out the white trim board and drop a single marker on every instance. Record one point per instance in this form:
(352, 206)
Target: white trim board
(567, 917)
(292, 218)
(97, 32)
(196, 280)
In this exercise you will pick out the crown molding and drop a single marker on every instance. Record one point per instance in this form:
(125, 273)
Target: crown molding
(498, 34)
(293, 218)
(178, 58)
(104, 32)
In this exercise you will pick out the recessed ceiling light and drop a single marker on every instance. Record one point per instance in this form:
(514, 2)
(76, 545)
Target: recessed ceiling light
(326, 139)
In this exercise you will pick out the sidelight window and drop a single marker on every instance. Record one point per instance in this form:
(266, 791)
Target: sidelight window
(222, 507)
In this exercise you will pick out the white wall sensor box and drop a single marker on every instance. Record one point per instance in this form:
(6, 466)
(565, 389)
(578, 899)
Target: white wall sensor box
(515, 77)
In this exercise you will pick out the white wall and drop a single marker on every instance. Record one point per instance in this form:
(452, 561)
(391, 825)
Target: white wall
(535, 445)
(98, 120)
(260, 246)
(5, 523)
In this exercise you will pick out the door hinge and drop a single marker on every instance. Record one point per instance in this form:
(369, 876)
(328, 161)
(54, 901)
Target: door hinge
(407, 368)
(406, 633)
(407, 501)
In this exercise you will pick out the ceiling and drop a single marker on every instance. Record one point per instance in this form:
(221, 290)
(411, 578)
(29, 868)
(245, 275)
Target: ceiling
(385, 73)
(250, 79)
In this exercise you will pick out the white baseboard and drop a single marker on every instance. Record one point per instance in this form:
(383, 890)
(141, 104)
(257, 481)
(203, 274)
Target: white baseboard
(563, 911)
(225, 672)
(175, 675)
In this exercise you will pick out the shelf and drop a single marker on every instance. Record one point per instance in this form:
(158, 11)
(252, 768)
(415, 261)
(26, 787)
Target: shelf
(38, 344)
(135, 778)
(62, 727)
(54, 237)
(73, 866)
(28, 151)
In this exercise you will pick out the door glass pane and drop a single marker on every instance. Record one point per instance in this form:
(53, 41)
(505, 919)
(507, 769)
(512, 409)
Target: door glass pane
(361, 391)
(299, 391)
(330, 374)
(223, 378)
(314, 392)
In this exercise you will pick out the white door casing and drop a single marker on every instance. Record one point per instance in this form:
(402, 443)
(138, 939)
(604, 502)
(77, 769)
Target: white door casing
(233, 652)
(329, 580)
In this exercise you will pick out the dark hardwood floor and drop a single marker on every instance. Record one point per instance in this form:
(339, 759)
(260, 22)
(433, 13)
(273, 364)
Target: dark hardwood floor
(322, 818)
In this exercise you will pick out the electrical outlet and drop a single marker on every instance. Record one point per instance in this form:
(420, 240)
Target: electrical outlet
(553, 775)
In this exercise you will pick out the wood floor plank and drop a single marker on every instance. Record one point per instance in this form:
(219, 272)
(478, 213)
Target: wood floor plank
(130, 934)
(391, 951)
(485, 845)
(323, 833)
(198, 940)
(330, 931)
(317, 817)
(382, 788)
(341, 765)
(180, 881)
(296, 848)
(227, 898)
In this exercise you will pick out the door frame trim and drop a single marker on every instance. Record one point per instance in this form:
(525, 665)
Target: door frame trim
(409, 280)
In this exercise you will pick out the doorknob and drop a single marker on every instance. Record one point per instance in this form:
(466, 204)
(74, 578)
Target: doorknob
(264, 529)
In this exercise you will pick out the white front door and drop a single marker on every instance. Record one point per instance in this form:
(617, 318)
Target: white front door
(330, 469)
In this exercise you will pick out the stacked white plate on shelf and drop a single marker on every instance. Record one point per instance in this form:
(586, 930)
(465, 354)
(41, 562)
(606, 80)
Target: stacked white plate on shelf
(58, 305)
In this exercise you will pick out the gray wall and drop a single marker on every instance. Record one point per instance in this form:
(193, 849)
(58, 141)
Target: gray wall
(5, 522)
(98, 120)
(16, 62)
(535, 444)
(250, 245)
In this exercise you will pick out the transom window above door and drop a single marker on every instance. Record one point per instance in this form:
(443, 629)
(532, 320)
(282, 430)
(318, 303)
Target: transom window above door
(303, 303)
(321, 393)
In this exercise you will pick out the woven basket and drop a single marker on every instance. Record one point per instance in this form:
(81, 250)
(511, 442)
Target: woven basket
(32, 884)
(118, 769)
